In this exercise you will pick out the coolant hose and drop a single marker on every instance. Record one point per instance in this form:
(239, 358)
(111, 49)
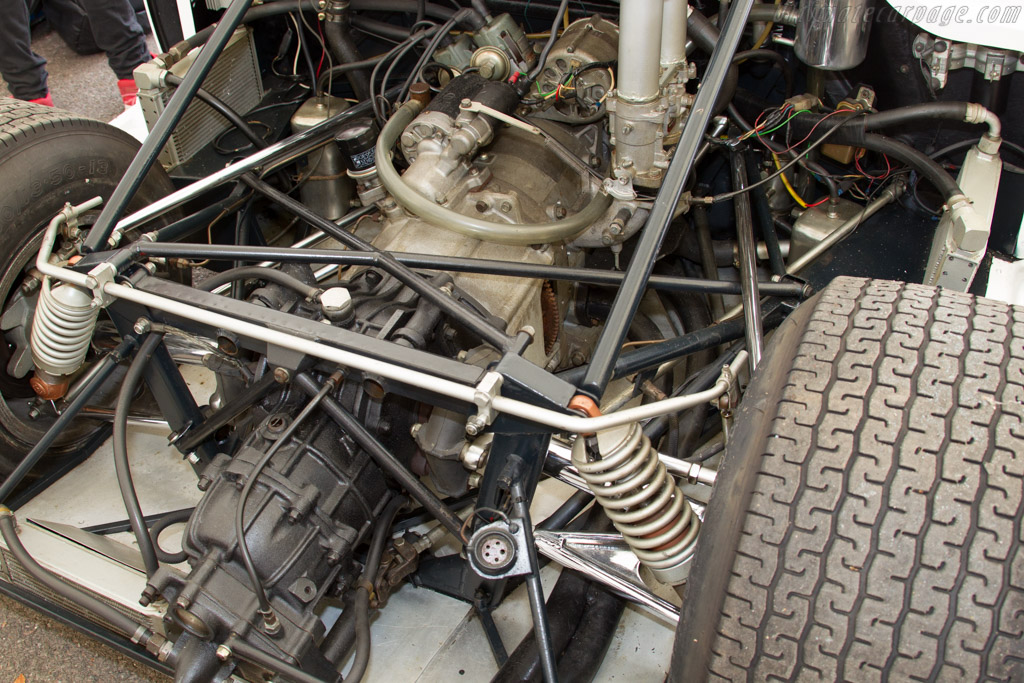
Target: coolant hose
(413, 201)
(345, 51)
(583, 656)
(361, 604)
(121, 622)
(274, 275)
(120, 447)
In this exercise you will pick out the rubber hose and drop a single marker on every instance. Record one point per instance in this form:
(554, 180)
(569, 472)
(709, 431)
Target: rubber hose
(342, 637)
(770, 55)
(567, 511)
(565, 605)
(362, 599)
(260, 273)
(158, 527)
(91, 605)
(221, 107)
(520, 234)
(582, 657)
(345, 52)
(381, 28)
(263, 11)
(120, 447)
(342, 69)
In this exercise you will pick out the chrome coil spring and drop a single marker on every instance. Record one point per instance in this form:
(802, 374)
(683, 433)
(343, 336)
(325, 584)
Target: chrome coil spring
(62, 328)
(640, 497)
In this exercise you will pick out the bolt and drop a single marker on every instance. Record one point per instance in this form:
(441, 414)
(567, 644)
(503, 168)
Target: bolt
(475, 425)
(223, 652)
(465, 103)
(282, 375)
(560, 212)
(481, 206)
(183, 602)
(506, 206)
(29, 286)
(276, 424)
(484, 158)
(204, 483)
(321, 16)
(142, 326)
(193, 459)
(578, 358)
(415, 429)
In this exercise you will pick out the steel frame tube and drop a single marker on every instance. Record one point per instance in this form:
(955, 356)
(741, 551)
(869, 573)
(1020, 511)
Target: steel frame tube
(472, 320)
(642, 263)
(270, 255)
(383, 457)
(754, 331)
(98, 378)
(274, 155)
(164, 126)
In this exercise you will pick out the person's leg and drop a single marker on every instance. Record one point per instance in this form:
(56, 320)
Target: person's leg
(22, 69)
(117, 32)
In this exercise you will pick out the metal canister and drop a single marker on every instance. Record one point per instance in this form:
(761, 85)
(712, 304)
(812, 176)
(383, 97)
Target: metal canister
(327, 190)
(833, 34)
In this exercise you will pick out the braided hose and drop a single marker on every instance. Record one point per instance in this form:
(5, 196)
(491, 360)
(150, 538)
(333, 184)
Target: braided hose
(62, 328)
(642, 500)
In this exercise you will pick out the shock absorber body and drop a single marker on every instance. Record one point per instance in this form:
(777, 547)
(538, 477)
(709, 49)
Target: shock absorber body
(62, 328)
(641, 499)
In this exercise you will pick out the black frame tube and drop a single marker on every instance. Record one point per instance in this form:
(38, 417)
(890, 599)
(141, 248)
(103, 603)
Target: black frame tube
(98, 379)
(383, 457)
(748, 259)
(401, 272)
(164, 126)
(455, 264)
(642, 262)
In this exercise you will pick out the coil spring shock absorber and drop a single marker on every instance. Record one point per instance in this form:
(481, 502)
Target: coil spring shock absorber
(641, 499)
(62, 328)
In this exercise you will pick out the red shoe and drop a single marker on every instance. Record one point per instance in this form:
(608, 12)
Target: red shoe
(46, 101)
(129, 91)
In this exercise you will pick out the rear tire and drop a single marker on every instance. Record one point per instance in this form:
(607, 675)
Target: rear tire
(867, 520)
(49, 157)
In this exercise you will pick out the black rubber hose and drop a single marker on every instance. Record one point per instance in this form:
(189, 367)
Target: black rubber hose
(763, 215)
(263, 11)
(381, 28)
(346, 53)
(701, 31)
(384, 458)
(582, 657)
(342, 636)
(260, 273)
(342, 69)
(770, 55)
(550, 41)
(565, 605)
(567, 511)
(362, 599)
(916, 113)
(287, 671)
(221, 107)
(158, 527)
(91, 605)
(130, 384)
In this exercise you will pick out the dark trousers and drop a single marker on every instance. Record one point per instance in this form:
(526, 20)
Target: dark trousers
(114, 28)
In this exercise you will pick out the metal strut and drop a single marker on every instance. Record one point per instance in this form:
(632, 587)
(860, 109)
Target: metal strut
(639, 271)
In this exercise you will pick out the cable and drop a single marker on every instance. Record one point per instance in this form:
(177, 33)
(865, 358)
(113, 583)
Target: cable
(223, 109)
(539, 66)
(819, 142)
(364, 590)
(266, 611)
(158, 527)
(955, 147)
(260, 273)
(120, 447)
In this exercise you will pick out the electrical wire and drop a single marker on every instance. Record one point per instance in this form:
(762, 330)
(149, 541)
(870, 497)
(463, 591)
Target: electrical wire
(266, 611)
(563, 8)
(817, 143)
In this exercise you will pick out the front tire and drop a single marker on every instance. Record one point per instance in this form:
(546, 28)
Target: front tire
(867, 524)
(49, 157)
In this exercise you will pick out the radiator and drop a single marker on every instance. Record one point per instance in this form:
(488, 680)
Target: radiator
(235, 79)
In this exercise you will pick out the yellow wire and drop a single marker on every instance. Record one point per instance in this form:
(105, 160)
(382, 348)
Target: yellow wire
(767, 32)
(785, 182)
(565, 19)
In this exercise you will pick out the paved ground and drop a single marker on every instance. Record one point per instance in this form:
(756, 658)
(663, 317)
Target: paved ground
(30, 645)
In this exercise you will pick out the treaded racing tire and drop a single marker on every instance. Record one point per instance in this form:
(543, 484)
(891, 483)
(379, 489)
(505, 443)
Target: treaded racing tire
(49, 157)
(866, 524)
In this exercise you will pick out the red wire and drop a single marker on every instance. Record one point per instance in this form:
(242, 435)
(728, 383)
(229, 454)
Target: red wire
(811, 134)
(323, 41)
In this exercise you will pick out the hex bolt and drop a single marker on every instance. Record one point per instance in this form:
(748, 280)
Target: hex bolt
(282, 375)
(142, 326)
(475, 425)
(223, 652)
